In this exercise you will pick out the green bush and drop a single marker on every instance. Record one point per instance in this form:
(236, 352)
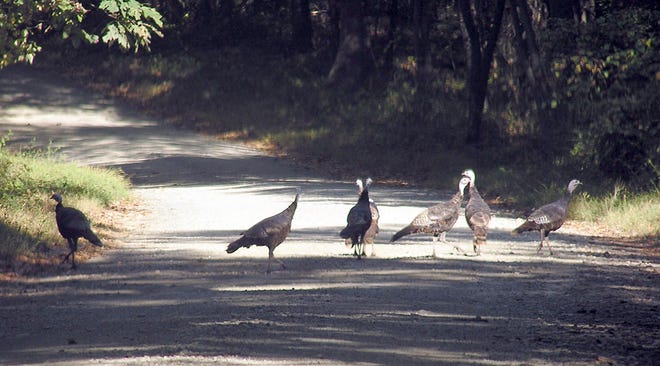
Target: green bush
(27, 180)
(592, 116)
(622, 212)
(607, 81)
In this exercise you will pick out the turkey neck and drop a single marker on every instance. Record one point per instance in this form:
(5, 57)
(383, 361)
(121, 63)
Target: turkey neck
(364, 197)
(292, 207)
(457, 198)
(565, 198)
(472, 191)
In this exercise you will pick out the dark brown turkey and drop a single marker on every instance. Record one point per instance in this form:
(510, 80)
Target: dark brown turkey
(358, 221)
(269, 232)
(437, 219)
(477, 213)
(373, 230)
(549, 217)
(72, 225)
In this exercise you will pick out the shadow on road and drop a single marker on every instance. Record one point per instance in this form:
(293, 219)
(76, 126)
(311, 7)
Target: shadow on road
(174, 296)
(338, 309)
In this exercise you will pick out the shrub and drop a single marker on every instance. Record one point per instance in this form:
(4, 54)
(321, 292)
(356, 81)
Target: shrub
(606, 81)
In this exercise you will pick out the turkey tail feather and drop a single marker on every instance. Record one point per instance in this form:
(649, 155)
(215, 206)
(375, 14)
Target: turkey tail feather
(480, 234)
(235, 245)
(522, 228)
(89, 235)
(346, 232)
(401, 233)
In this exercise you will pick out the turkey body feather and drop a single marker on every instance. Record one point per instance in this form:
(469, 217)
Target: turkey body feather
(373, 230)
(269, 232)
(549, 217)
(73, 225)
(437, 219)
(358, 221)
(477, 214)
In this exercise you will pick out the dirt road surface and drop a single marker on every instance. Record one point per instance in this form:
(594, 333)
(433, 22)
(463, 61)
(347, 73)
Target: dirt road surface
(171, 295)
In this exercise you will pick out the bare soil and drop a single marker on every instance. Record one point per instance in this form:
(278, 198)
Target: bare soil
(169, 294)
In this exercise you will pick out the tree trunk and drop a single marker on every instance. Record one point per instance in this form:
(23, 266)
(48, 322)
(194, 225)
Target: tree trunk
(351, 63)
(585, 11)
(302, 26)
(482, 34)
(582, 11)
(528, 53)
(525, 40)
(172, 10)
(335, 34)
(393, 14)
(422, 14)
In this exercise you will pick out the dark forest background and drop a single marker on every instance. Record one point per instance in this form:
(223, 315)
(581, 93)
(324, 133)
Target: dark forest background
(529, 93)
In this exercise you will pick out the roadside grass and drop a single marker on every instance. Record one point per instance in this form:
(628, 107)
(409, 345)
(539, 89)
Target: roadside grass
(624, 213)
(28, 233)
(283, 106)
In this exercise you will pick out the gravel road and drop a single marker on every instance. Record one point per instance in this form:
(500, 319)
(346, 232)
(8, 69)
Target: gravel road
(171, 295)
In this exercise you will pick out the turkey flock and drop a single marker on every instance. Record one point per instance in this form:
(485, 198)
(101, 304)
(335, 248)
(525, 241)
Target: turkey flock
(362, 222)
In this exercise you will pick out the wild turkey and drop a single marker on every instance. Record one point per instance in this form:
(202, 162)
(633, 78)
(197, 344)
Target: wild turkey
(549, 217)
(72, 225)
(358, 222)
(269, 232)
(437, 219)
(373, 230)
(477, 213)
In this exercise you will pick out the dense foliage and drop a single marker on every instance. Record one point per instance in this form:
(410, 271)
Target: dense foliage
(572, 90)
(608, 85)
(25, 24)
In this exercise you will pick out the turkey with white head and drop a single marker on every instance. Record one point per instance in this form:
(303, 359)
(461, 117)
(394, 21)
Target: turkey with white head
(477, 213)
(549, 217)
(358, 221)
(269, 232)
(437, 219)
(373, 230)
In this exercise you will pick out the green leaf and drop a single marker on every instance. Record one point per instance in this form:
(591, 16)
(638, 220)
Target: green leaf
(111, 33)
(152, 14)
(90, 38)
(109, 6)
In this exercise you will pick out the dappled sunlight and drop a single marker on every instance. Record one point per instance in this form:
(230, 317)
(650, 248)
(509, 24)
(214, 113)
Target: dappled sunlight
(330, 308)
(326, 341)
(118, 135)
(177, 360)
(171, 295)
(319, 286)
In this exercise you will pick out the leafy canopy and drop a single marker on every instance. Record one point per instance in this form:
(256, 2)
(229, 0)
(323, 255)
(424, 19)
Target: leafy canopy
(25, 24)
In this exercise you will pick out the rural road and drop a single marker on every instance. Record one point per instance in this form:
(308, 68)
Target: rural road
(171, 295)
